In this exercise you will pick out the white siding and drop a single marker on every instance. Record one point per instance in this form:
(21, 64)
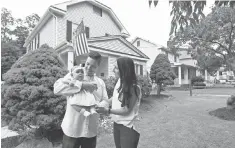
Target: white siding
(111, 61)
(98, 25)
(150, 50)
(47, 34)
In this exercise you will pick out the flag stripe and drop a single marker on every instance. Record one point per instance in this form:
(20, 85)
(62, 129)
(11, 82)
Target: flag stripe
(79, 41)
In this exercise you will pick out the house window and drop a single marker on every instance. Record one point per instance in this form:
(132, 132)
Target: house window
(87, 30)
(175, 58)
(97, 10)
(182, 73)
(69, 31)
(136, 69)
(102, 74)
(141, 70)
(138, 43)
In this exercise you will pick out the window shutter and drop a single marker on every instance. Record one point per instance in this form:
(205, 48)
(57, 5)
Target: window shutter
(35, 42)
(87, 30)
(38, 40)
(69, 31)
(141, 70)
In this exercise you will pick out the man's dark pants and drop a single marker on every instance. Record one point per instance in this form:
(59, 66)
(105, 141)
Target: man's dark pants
(82, 142)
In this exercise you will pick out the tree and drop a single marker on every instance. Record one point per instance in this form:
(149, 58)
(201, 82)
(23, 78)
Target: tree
(185, 13)
(10, 52)
(32, 21)
(161, 71)
(213, 36)
(27, 94)
(21, 32)
(209, 63)
(6, 20)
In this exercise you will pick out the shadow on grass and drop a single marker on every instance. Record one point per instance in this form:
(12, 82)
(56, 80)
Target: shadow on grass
(224, 113)
(148, 103)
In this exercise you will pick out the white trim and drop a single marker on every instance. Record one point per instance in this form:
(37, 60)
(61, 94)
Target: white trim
(118, 54)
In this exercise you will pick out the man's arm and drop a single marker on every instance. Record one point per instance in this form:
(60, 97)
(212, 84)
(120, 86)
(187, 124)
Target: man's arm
(62, 88)
(105, 101)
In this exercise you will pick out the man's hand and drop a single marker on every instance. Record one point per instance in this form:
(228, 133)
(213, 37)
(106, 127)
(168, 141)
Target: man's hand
(89, 86)
(102, 110)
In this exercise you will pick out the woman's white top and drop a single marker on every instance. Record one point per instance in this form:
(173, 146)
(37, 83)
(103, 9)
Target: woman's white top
(127, 120)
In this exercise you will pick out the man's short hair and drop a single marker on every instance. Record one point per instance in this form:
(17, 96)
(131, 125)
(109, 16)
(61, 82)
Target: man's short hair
(95, 55)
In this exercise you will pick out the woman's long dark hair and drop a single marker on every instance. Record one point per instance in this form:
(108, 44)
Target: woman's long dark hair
(128, 79)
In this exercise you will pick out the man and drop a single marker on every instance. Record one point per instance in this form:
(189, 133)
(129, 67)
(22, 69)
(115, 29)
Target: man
(80, 130)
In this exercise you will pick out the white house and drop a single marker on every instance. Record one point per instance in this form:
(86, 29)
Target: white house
(183, 66)
(104, 31)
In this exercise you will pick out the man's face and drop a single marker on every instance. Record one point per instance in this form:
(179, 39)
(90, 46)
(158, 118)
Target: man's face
(91, 66)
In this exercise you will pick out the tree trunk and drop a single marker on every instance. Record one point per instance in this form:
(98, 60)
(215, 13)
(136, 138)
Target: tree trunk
(159, 89)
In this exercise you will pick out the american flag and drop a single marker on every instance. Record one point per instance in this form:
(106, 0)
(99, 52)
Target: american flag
(79, 40)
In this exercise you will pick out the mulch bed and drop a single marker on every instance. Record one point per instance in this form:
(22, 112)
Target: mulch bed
(224, 113)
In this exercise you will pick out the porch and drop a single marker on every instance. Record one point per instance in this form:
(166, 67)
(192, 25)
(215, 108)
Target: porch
(183, 73)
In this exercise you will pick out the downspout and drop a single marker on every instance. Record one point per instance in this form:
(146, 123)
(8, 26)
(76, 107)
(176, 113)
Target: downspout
(55, 27)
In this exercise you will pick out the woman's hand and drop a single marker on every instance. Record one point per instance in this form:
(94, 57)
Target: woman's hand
(102, 110)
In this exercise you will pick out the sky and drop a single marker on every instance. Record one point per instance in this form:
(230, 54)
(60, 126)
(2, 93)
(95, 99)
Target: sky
(139, 19)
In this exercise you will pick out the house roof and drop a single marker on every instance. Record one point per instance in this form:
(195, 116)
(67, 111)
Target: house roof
(112, 44)
(157, 45)
(61, 9)
(136, 38)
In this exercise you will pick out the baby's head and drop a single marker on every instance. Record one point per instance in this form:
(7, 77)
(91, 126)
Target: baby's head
(77, 72)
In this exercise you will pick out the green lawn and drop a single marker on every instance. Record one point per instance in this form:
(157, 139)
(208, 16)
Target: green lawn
(182, 122)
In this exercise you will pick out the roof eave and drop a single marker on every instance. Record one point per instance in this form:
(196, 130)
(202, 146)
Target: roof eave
(41, 22)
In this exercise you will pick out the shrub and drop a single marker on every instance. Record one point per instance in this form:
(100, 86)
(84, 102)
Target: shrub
(145, 85)
(199, 84)
(143, 81)
(110, 84)
(197, 79)
(27, 94)
(161, 72)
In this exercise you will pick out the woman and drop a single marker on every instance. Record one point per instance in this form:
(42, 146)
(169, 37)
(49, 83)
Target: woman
(125, 105)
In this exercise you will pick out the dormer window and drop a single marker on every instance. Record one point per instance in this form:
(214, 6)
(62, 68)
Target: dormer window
(97, 10)
(138, 43)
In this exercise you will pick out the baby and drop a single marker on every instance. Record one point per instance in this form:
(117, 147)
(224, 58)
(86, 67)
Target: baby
(84, 101)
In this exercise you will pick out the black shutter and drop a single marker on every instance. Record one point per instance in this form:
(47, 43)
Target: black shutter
(38, 40)
(87, 30)
(35, 42)
(69, 31)
(141, 70)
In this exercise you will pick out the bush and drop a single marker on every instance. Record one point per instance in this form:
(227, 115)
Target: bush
(197, 79)
(199, 84)
(110, 84)
(143, 81)
(27, 94)
(161, 72)
(145, 85)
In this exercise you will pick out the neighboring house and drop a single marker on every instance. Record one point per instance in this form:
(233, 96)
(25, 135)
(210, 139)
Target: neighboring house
(183, 66)
(104, 31)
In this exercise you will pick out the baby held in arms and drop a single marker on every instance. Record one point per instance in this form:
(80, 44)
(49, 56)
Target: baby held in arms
(83, 101)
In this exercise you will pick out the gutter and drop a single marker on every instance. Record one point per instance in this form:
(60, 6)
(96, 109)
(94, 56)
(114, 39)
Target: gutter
(55, 43)
(44, 18)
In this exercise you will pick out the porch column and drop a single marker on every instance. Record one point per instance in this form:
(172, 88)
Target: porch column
(217, 76)
(70, 60)
(206, 75)
(179, 74)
